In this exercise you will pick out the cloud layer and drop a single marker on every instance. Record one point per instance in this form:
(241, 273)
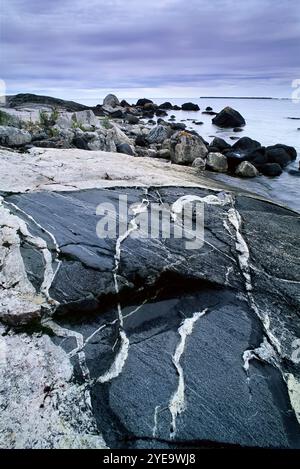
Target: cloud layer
(162, 47)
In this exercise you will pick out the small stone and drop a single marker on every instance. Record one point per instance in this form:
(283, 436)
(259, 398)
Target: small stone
(164, 153)
(199, 163)
(217, 162)
(246, 169)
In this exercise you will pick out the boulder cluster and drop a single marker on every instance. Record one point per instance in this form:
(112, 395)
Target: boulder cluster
(140, 130)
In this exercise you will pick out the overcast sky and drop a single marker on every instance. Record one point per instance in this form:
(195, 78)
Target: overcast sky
(159, 48)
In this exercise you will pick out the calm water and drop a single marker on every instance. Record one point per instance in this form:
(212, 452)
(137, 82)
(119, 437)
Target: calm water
(267, 122)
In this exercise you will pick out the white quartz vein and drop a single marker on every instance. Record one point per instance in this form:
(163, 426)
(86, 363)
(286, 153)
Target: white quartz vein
(156, 411)
(63, 332)
(221, 199)
(40, 244)
(122, 354)
(177, 401)
(268, 351)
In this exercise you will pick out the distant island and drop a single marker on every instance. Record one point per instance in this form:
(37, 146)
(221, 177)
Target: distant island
(240, 97)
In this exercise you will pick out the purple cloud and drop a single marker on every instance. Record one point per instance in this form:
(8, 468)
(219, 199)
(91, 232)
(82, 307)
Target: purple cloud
(113, 44)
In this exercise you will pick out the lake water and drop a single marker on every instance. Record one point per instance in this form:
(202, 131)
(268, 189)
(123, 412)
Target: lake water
(267, 121)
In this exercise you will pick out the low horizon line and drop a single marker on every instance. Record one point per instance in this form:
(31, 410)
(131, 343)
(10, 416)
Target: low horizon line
(170, 97)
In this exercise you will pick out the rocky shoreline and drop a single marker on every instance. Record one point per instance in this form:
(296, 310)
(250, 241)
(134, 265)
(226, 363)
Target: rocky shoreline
(138, 130)
(137, 342)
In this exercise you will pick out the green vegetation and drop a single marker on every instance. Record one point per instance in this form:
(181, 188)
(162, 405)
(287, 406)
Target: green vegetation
(7, 119)
(31, 126)
(53, 132)
(106, 123)
(54, 115)
(48, 120)
(44, 119)
(77, 125)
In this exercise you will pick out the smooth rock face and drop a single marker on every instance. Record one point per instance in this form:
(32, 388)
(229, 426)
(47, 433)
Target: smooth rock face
(217, 162)
(119, 136)
(66, 170)
(204, 348)
(186, 147)
(229, 117)
(65, 120)
(111, 100)
(13, 137)
(86, 119)
(246, 169)
(132, 340)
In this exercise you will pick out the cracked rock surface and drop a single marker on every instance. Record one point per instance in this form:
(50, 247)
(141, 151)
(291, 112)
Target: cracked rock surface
(135, 342)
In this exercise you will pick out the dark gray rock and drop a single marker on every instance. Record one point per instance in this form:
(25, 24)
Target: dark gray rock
(270, 169)
(148, 115)
(125, 148)
(164, 153)
(13, 137)
(245, 145)
(150, 107)
(143, 101)
(81, 143)
(161, 112)
(166, 106)
(281, 154)
(237, 129)
(162, 289)
(190, 107)
(258, 157)
(111, 100)
(53, 142)
(39, 135)
(294, 172)
(141, 141)
(178, 126)
(158, 134)
(220, 143)
(25, 99)
(290, 150)
(124, 103)
(131, 119)
(229, 117)
(118, 114)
